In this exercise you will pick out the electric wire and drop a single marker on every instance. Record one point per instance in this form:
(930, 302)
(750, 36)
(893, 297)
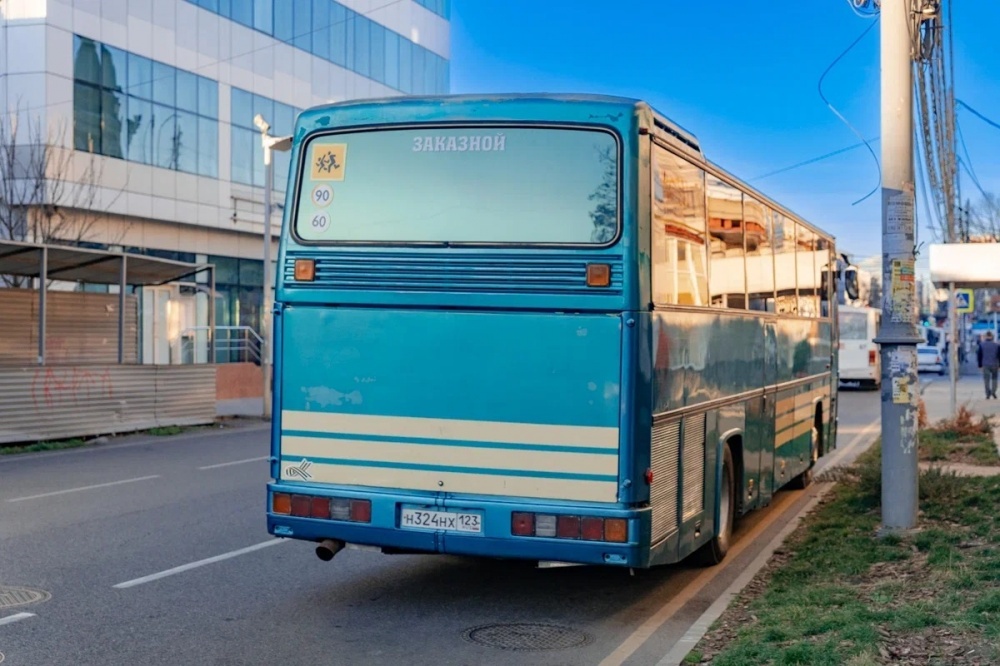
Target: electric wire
(819, 87)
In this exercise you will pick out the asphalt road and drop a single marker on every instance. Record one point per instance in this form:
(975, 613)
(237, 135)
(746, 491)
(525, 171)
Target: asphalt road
(154, 551)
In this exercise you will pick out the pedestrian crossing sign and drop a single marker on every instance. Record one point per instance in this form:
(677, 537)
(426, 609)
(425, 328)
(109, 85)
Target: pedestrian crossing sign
(964, 302)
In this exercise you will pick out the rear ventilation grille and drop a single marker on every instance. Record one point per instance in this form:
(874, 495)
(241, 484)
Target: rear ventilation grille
(534, 273)
(666, 447)
(694, 465)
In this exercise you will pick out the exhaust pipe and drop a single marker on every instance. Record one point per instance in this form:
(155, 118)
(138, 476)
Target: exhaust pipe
(327, 548)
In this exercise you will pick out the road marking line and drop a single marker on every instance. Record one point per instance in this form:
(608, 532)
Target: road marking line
(235, 462)
(701, 626)
(76, 490)
(844, 451)
(195, 565)
(10, 619)
(651, 625)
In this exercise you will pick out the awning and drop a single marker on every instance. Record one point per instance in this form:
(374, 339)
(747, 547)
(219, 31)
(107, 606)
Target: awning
(91, 266)
(967, 265)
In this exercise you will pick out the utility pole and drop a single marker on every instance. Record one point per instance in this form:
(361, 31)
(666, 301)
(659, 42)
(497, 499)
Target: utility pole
(269, 143)
(898, 334)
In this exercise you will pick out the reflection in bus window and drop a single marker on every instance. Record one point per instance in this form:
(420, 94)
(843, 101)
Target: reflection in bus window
(784, 264)
(760, 255)
(678, 243)
(727, 275)
(807, 275)
(824, 269)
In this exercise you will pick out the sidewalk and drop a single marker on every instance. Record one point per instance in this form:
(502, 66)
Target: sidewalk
(936, 392)
(971, 393)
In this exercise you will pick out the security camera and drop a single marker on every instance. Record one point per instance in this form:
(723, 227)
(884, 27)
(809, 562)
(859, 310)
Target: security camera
(261, 124)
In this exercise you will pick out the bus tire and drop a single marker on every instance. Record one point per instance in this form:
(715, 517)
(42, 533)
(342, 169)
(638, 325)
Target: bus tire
(805, 479)
(715, 550)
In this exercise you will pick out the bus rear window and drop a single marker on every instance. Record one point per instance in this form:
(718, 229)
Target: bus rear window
(460, 185)
(854, 326)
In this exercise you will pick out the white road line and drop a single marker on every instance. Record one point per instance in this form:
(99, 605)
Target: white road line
(235, 462)
(76, 490)
(15, 617)
(844, 451)
(195, 565)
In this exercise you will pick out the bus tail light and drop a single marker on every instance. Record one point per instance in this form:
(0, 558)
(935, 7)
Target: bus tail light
(545, 526)
(281, 504)
(568, 527)
(616, 529)
(361, 511)
(871, 356)
(522, 524)
(579, 528)
(593, 529)
(305, 270)
(324, 508)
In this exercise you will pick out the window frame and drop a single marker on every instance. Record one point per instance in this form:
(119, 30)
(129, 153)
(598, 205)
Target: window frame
(300, 172)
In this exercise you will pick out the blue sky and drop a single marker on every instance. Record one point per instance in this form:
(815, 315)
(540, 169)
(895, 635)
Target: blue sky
(742, 76)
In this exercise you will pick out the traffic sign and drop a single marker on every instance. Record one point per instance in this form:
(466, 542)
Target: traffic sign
(964, 301)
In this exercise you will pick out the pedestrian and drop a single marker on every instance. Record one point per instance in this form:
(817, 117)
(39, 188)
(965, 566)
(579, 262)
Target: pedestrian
(988, 357)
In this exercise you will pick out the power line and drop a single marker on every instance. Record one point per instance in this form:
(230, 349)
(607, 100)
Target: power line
(819, 87)
(813, 160)
(981, 116)
(968, 158)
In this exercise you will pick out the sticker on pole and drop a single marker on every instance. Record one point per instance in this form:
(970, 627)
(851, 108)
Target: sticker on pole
(901, 390)
(902, 292)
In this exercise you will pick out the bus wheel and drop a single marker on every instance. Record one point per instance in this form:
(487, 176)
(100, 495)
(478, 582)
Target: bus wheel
(715, 550)
(805, 479)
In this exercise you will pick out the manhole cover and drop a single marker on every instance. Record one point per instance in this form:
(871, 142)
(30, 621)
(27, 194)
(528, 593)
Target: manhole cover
(527, 636)
(20, 596)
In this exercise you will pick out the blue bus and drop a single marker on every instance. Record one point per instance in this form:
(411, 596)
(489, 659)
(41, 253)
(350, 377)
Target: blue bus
(539, 327)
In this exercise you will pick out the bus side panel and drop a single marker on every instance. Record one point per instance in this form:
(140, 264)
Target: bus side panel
(698, 357)
(803, 358)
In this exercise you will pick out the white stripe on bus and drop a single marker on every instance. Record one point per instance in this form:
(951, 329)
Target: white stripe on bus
(481, 431)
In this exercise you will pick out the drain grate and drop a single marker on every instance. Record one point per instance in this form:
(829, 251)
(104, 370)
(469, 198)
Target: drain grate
(527, 636)
(20, 596)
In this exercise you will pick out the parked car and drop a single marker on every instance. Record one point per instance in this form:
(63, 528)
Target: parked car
(930, 359)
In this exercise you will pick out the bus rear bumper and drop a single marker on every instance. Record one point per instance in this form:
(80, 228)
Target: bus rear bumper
(494, 541)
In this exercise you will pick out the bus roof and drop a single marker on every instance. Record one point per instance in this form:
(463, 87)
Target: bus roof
(662, 127)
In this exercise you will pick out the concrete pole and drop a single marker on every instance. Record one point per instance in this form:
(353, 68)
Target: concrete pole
(898, 336)
(265, 317)
(953, 347)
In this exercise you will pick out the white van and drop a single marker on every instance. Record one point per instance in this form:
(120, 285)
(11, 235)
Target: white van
(858, 359)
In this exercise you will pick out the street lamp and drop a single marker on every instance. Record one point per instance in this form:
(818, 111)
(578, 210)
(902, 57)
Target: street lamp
(282, 143)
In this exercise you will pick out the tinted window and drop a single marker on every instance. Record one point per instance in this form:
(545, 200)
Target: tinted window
(727, 272)
(680, 273)
(808, 277)
(784, 264)
(760, 255)
(510, 185)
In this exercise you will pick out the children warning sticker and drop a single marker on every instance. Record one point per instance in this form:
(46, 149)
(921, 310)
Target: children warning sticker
(329, 161)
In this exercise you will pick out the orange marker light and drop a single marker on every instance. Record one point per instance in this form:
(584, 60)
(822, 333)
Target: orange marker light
(305, 270)
(616, 529)
(598, 275)
(281, 503)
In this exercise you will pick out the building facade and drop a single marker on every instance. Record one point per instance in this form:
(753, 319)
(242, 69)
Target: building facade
(146, 111)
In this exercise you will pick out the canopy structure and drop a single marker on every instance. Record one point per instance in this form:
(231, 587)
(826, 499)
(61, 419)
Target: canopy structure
(965, 265)
(962, 266)
(60, 262)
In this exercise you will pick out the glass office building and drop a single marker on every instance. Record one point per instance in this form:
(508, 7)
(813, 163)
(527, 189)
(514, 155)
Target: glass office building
(158, 97)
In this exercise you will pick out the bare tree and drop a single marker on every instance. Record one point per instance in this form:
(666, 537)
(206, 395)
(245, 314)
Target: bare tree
(984, 220)
(42, 200)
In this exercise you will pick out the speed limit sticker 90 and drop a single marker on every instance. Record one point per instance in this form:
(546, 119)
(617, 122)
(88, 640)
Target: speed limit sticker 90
(322, 195)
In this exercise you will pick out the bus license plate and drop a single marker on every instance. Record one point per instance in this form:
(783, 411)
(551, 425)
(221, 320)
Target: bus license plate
(422, 519)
